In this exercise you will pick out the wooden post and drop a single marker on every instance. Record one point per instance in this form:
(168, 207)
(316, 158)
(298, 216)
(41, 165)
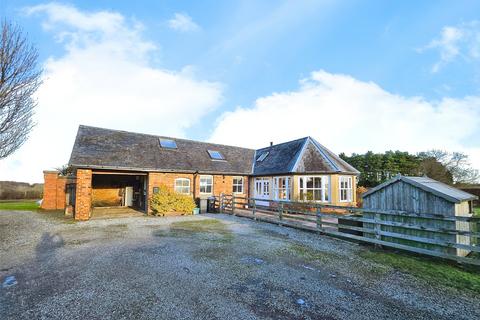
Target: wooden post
(319, 219)
(221, 202)
(233, 205)
(377, 228)
(254, 209)
(280, 211)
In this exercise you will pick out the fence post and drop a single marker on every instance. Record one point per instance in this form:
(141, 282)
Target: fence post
(280, 211)
(254, 209)
(319, 219)
(233, 205)
(221, 202)
(377, 228)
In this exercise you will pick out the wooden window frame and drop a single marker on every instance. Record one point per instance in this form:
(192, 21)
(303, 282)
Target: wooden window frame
(345, 186)
(175, 186)
(236, 184)
(206, 185)
(324, 188)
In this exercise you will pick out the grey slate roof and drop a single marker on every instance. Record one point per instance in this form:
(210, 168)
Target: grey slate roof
(99, 148)
(304, 155)
(438, 188)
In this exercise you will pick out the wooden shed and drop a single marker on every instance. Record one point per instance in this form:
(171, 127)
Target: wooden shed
(417, 197)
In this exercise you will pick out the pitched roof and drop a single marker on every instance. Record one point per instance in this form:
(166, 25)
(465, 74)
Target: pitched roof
(304, 155)
(438, 188)
(99, 148)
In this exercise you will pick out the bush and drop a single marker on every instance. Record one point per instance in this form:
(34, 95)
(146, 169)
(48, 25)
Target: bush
(166, 201)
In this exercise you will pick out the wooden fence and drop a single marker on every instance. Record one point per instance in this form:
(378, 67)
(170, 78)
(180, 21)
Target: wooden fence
(359, 224)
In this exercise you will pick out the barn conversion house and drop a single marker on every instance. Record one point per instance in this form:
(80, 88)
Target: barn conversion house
(119, 168)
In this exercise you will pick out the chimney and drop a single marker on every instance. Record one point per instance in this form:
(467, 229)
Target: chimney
(271, 143)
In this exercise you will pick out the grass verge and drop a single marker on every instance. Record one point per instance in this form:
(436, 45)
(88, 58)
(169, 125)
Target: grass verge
(434, 271)
(24, 205)
(476, 212)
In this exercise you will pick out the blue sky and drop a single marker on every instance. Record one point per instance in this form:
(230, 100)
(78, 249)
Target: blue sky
(247, 59)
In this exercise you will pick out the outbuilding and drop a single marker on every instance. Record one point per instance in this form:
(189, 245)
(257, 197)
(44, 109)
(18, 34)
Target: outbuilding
(422, 196)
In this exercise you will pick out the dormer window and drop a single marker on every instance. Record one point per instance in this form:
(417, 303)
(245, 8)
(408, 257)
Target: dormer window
(262, 156)
(168, 143)
(215, 155)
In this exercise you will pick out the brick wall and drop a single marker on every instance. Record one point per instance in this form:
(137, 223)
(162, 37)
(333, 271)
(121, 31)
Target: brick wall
(53, 191)
(221, 183)
(83, 201)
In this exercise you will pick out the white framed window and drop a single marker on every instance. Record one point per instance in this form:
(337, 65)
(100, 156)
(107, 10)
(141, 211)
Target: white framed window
(206, 184)
(281, 188)
(237, 185)
(262, 188)
(182, 185)
(314, 188)
(346, 190)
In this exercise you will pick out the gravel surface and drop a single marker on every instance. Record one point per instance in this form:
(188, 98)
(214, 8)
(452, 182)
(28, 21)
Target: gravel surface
(201, 267)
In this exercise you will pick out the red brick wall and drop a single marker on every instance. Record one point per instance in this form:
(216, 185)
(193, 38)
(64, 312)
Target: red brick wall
(83, 201)
(53, 191)
(221, 183)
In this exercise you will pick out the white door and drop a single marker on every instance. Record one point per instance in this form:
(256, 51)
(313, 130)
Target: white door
(128, 196)
(262, 191)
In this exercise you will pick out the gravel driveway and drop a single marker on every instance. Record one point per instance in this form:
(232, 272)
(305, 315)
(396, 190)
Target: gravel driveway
(201, 267)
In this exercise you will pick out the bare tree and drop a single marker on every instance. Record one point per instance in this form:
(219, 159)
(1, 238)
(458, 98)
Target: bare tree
(19, 79)
(456, 163)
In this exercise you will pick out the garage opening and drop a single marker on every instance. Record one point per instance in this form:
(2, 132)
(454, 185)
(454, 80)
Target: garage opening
(118, 192)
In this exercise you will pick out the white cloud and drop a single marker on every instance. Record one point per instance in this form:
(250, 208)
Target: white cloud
(105, 78)
(182, 22)
(456, 41)
(348, 115)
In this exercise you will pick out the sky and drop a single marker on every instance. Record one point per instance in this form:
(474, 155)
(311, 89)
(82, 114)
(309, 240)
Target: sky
(355, 75)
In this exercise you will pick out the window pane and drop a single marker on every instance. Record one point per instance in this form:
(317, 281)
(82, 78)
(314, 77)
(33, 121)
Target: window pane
(301, 183)
(309, 183)
(167, 143)
(318, 182)
(215, 155)
(317, 195)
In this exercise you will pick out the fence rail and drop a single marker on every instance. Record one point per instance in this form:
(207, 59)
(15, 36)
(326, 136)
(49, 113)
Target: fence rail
(370, 226)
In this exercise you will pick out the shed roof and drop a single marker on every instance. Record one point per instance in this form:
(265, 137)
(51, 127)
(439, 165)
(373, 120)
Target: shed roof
(99, 148)
(300, 156)
(435, 187)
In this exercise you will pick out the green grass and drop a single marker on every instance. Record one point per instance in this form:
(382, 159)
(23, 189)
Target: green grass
(433, 271)
(476, 211)
(25, 205)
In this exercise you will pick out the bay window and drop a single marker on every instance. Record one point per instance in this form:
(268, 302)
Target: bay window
(314, 188)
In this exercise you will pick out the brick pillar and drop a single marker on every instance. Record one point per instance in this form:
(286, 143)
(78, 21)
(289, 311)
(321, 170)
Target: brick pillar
(83, 201)
(49, 201)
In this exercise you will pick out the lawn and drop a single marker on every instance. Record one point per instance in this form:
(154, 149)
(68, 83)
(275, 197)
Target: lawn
(477, 211)
(430, 269)
(26, 205)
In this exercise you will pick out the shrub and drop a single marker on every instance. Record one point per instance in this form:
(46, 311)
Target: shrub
(166, 201)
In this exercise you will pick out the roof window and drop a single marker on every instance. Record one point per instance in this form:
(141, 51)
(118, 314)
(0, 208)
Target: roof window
(262, 156)
(168, 143)
(215, 155)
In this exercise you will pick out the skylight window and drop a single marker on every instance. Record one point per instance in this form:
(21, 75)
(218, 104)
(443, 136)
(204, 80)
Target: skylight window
(168, 144)
(262, 156)
(215, 155)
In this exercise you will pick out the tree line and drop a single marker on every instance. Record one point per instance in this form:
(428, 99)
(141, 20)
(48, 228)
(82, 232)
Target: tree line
(452, 168)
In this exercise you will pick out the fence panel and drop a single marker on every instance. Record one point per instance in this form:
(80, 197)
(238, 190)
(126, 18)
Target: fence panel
(432, 235)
